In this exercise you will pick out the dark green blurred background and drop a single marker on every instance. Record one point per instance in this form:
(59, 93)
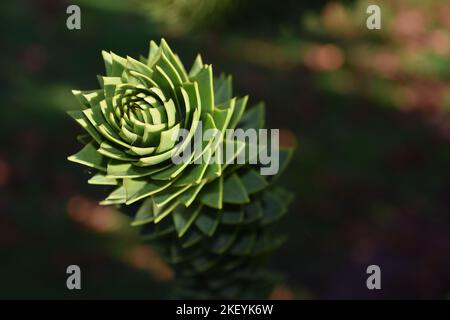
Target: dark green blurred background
(370, 111)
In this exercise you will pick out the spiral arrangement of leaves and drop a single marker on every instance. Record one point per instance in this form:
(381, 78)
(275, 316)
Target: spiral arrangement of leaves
(211, 220)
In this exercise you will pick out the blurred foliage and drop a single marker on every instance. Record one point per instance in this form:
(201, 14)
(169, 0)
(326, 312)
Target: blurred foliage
(178, 17)
(369, 109)
(405, 65)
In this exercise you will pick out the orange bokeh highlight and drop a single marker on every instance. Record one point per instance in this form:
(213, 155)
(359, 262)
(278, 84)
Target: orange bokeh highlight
(325, 57)
(146, 258)
(91, 215)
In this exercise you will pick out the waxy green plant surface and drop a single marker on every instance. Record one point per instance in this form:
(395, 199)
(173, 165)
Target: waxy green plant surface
(212, 222)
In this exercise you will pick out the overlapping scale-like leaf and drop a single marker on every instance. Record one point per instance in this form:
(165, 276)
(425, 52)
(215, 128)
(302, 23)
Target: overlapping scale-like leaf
(211, 219)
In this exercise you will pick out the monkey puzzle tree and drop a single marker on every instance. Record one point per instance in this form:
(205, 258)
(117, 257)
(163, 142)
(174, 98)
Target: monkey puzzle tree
(211, 220)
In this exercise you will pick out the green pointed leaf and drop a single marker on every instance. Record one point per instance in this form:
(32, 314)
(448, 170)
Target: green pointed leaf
(234, 191)
(89, 156)
(222, 89)
(153, 52)
(285, 156)
(81, 119)
(84, 138)
(165, 196)
(253, 212)
(137, 189)
(253, 118)
(191, 238)
(273, 208)
(144, 214)
(253, 181)
(183, 219)
(194, 174)
(167, 139)
(239, 110)
(244, 245)
(120, 169)
(212, 194)
(204, 78)
(232, 217)
(196, 67)
(164, 211)
(151, 231)
(207, 222)
(213, 170)
(116, 197)
(102, 179)
(154, 160)
(118, 64)
(133, 64)
(191, 194)
(222, 241)
(174, 60)
(108, 150)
